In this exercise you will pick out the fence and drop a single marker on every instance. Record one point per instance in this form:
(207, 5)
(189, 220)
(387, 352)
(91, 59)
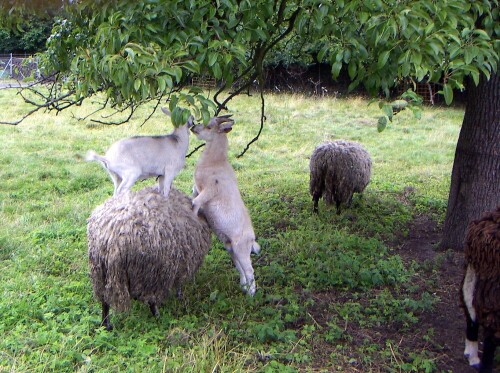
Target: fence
(18, 67)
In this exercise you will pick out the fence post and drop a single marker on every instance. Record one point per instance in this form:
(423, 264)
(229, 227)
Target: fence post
(10, 65)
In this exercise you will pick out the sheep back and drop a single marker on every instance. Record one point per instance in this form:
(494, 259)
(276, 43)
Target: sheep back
(482, 245)
(338, 169)
(141, 245)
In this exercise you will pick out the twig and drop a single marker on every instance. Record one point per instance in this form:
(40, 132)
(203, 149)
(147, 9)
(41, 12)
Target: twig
(195, 150)
(262, 119)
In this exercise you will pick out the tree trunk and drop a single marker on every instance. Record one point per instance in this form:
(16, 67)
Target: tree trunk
(475, 179)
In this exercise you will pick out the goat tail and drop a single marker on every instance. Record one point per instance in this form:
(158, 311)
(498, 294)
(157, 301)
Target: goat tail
(93, 156)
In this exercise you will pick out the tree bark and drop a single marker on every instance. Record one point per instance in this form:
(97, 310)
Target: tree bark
(475, 178)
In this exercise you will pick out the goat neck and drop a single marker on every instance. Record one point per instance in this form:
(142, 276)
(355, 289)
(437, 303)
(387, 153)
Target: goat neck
(216, 149)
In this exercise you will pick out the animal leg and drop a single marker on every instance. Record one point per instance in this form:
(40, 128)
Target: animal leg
(117, 180)
(127, 182)
(195, 191)
(472, 330)
(154, 309)
(488, 358)
(105, 317)
(164, 183)
(199, 201)
(315, 203)
(242, 261)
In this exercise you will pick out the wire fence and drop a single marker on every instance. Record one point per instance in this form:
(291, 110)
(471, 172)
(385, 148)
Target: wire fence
(18, 67)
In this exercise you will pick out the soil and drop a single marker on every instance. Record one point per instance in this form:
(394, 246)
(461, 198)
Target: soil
(446, 318)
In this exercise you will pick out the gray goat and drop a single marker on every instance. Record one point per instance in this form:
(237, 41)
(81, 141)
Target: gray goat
(142, 157)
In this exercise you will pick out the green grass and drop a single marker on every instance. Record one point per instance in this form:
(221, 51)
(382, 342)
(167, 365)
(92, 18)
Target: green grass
(49, 318)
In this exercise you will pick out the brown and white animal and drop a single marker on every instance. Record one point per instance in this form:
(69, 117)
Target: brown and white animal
(216, 193)
(338, 169)
(142, 157)
(480, 293)
(142, 245)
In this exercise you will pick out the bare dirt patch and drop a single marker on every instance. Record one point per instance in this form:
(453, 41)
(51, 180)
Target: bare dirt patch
(446, 319)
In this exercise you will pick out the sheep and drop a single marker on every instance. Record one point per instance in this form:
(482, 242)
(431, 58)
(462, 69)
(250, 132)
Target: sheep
(480, 290)
(142, 157)
(216, 192)
(338, 169)
(142, 245)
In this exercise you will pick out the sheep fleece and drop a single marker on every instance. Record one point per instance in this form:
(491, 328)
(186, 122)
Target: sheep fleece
(142, 245)
(482, 251)
(339, 169)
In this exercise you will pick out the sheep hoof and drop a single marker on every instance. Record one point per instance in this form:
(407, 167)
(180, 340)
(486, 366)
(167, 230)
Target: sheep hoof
(107, 325)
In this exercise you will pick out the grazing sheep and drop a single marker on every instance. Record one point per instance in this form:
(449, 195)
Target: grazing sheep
(142, 157)
(216, 192)
(338, 169)
(480, 293)
(141, 246)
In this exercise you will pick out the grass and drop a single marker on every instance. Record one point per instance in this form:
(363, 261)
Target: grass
(49, 316)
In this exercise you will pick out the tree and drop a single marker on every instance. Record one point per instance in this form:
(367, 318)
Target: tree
(475, 179)
(132, 52)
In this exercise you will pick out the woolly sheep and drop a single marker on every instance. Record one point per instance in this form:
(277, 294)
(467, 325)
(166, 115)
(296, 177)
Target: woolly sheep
(142, 245)
(338, 169)
(216, 192)
(142, 157)
(480, 293)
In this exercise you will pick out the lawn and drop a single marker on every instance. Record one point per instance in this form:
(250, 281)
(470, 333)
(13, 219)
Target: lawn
(50, 319)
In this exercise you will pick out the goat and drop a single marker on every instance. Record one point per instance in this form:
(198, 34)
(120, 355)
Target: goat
(142, 157)
(216, 192)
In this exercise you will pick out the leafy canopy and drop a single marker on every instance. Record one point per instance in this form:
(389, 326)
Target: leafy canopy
(134, 52)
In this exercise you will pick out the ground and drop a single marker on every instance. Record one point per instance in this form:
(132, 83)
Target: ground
(446, 319)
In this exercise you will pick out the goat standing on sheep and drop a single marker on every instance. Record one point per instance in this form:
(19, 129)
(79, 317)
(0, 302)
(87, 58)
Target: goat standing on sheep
(216, 192)
(142, 245)
(142, 157)
(338, 169)
(480, 295)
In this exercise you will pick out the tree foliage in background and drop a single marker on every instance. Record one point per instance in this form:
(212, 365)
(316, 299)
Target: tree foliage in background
(30, 39)
(138, 51)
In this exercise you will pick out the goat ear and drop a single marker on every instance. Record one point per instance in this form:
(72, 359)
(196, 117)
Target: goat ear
(165, 110)
(226, 126)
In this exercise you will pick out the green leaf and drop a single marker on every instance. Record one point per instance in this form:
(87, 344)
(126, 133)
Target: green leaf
(137, 84)
(352, 69)
(382, 124)
(336, 69)
(448, 93)
(212, 58)
(387, 109)
(382, 59)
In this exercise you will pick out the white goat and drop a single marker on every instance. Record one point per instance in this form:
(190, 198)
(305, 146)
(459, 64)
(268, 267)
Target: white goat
(142, 157)
(216, 192)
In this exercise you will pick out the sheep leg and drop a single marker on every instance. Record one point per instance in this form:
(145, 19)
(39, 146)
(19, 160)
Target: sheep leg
(154, 309)
(105, 317)
(315, 203)
(337, 203)
(472, 330)
(488, 358)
